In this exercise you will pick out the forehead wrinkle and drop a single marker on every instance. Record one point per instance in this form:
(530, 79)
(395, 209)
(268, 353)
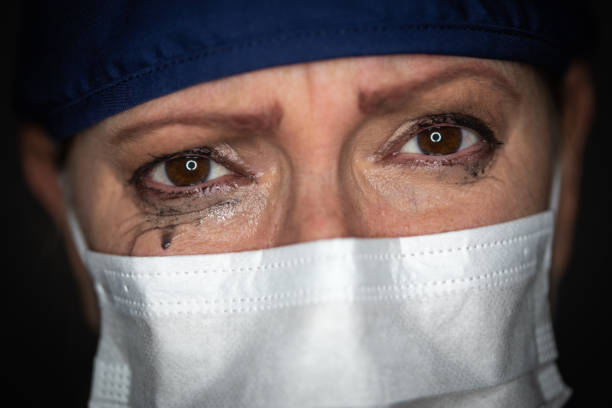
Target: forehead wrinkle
(266, 120)
(394, 97)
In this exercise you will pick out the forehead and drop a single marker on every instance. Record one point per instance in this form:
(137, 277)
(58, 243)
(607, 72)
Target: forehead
(365, 77)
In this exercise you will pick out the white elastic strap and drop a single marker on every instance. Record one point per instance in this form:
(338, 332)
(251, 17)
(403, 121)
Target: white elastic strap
(555, 189)
(73, 223)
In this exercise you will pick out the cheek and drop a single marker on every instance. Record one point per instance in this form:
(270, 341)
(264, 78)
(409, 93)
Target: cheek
(527, 172)
(97, 200)
(234, 227)
(529, 159)
(397, 207)
(396, 201)
(115, 221)
(245, 222)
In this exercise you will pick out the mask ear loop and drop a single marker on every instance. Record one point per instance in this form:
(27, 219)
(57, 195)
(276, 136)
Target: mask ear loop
(73, 223)
(555, 188)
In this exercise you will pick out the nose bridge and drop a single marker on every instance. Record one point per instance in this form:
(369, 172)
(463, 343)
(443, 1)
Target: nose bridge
(317, 123)
(316, 208)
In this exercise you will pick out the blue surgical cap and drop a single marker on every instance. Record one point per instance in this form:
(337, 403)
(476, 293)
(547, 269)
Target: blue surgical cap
(83, 61)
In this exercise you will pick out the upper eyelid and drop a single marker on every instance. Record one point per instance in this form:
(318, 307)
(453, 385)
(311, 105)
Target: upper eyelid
(203, 151)
(415, 126)
(457, 120)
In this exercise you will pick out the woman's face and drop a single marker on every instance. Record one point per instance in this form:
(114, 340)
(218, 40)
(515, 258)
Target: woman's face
(364, 147)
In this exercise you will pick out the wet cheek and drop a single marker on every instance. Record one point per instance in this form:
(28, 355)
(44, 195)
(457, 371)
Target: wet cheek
(384, 206)
(407, 206)
(224, 228)
(188, 239)
(404, 195)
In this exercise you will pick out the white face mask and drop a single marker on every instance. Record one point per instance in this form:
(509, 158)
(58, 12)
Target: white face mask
(458, 319)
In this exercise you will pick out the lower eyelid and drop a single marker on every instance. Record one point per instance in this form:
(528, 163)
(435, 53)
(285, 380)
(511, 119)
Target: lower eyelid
(223, 183)
(177, 201)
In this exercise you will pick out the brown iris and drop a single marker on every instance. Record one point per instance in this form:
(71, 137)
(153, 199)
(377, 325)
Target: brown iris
(187, 170)
(440, 140)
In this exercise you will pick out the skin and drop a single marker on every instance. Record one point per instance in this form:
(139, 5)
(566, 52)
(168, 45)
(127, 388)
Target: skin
(312, 143)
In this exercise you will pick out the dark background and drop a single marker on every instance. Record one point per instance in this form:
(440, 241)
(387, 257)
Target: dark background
(49, 350)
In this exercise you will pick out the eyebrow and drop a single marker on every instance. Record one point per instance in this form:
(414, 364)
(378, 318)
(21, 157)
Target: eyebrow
(266, 120)
(392, 98)
(370, 102)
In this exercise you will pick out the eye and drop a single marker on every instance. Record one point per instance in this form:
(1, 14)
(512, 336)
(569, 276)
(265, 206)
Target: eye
(186, 171)
(441, 141)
